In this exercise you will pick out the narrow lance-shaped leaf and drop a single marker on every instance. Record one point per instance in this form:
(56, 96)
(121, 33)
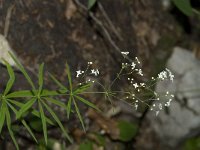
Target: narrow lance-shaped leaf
(40, 77)
(19, 65)
(58, 83)
(82, 88)
(8, 119)
(2, 115)
(87, 103)
(78, 114)
(12, 78)
(26, 107)
(23, 122)
(30, 93)
(29, 130)
(56, 102)
(69, 106)
(69, 76)
(50, 93)
(33, 111)
(91, 3)
(18, 94)
(58, 121)
(184, 6)
(44, 125)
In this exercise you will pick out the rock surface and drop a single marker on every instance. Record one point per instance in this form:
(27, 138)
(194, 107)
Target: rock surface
(182, 120)
(4, 51)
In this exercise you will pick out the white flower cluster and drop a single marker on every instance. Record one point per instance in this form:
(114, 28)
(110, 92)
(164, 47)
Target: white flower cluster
(155, 103)
(159, 105)
(166, 74)
(88, 71)
(139, 92)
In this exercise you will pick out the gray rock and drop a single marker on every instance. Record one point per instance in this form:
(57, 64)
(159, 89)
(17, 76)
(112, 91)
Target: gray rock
(182, 120)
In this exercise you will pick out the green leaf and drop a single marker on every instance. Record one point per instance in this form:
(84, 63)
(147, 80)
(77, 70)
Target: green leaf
(50, 93)
(58, 121)
(30, 93)
(3, 115)
(19, 104)
(56, 102)
(91, 3)
(69, 76)
(87, 103)
(25, 107)
(18, 94)
(43, 118)
(8, 119)
(19, 65)
(29, 130)
(184, 6)
(10, 106)
(101, 139)
(37, 114)
(58, 83)
(33, 111)
(86, 146)
(82, 88)
(23, 122)
(192, 144)
(78, 114)
(69, 104)
(11, 80)
(41, 77)
(127, 130)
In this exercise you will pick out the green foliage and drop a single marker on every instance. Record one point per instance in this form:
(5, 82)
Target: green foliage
(184, 6)
(51, 142)
(101, 139)
(127, 130)
(86, 146)
(36, 102)
(91, 3)
(192, 144)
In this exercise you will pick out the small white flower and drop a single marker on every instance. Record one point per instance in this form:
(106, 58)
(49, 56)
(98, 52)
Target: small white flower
(133, 65)
(142, 84)
(137, 60)
(171, 76)
(140, 72)
(78, 73)
(90, 63)
(135, 85)
(124, 53)
(95, 72)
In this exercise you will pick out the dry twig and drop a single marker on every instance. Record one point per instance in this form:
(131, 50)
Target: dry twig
(7, 21)
(99, 23)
